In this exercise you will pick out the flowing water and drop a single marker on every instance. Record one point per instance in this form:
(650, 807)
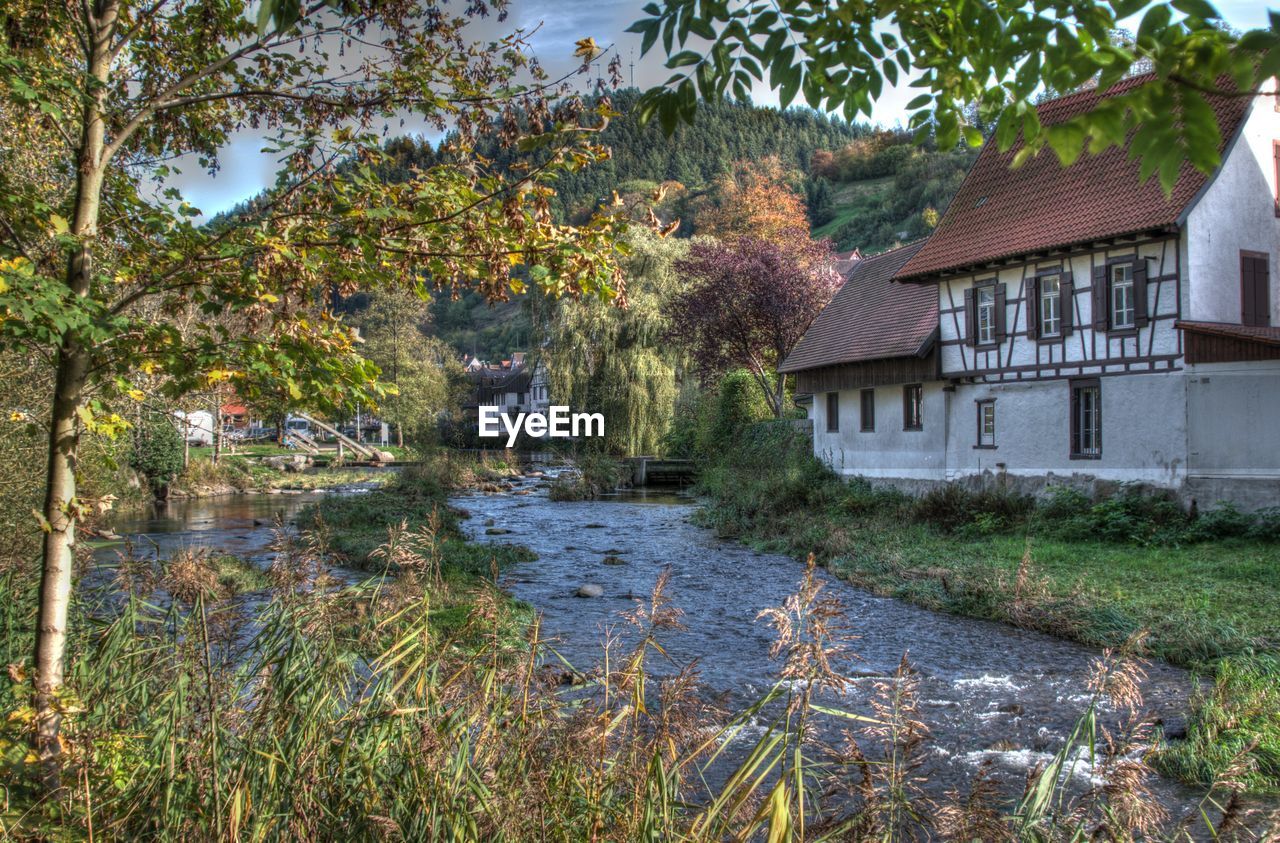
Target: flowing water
(989, 692)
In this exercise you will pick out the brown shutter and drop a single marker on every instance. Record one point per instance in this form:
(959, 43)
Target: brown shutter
(1255, 291)
(1248, 306)
(1140, 293)
(1000, 314)
(1262, 290)
(970, 318)
(1067, 306)
(1033, 307)
(1100, 317)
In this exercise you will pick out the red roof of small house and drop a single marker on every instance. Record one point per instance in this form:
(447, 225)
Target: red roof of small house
(871, 317)
(234, 410)
(1001, 212)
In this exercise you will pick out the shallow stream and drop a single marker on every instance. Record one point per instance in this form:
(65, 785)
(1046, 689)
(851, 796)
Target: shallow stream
(988, 692)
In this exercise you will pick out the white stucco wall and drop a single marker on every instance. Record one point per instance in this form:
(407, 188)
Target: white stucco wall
(889, 451)
(1233, 412)
(1236, 212)
(1143, 430)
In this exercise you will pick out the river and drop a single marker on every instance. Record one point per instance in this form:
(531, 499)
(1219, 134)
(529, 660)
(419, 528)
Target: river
(989, 692)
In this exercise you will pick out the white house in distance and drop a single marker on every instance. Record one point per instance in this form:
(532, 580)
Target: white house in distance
(1084, 328)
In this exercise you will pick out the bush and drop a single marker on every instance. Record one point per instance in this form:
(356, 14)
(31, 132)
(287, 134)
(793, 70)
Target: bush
(1266, 524)
(952, 508)
(157, 450)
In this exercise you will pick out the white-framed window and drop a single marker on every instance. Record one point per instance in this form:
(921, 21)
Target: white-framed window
(1123, 309)
(986, 299)
(1050, 306)
(987, 423)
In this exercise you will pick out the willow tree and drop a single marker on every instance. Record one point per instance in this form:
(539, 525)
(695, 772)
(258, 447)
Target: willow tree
(104, 269)
(617, 361)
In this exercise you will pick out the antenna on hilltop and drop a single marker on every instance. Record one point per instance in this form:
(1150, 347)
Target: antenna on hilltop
(633, 68)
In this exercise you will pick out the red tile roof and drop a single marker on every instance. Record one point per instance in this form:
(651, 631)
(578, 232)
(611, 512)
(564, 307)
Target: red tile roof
(1000, 212)
(870, 318)
(1250, 333)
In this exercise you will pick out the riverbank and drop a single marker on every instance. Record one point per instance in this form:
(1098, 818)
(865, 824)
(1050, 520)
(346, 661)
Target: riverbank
(241, 474)
(1206, 592)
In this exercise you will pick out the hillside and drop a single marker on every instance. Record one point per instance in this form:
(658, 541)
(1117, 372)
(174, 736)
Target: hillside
(882, 189)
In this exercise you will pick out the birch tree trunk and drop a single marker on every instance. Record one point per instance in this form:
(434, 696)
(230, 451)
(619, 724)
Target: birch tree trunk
(60, 505)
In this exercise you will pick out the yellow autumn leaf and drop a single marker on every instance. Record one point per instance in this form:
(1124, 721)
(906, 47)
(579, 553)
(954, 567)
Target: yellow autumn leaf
(137, 394)
(586, 49)
(268, 298)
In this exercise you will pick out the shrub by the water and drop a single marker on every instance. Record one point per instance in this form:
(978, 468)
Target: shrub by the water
(157, 450)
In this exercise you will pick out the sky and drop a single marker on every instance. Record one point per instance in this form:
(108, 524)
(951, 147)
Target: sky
(556, 25)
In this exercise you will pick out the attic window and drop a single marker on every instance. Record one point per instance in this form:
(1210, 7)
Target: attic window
(980, 202)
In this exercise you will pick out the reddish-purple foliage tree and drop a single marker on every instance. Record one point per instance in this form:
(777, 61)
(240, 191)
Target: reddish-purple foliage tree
(749, 303)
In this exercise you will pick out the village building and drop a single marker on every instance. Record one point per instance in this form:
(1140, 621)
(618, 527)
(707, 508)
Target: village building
(515, 385)
(1069, 326)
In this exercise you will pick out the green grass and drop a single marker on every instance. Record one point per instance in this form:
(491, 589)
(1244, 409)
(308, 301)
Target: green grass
(355, 526)
(850, 200)
(239, 576)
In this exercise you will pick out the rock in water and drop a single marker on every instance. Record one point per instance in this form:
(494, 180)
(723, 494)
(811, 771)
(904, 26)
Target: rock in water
(589, 589)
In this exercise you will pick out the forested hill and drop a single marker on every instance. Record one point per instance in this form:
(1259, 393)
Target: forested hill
(723, 133)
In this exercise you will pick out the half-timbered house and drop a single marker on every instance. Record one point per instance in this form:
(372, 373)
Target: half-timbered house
(1091, 328)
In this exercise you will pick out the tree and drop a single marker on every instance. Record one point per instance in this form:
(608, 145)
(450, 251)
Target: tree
(618, 362)
(414, 363)
(750, 302)
(157, 450)
(755, 199)
(996, 55)
(104, 278)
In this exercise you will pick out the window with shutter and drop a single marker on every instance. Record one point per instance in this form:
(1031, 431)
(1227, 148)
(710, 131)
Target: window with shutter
(1255, 289)
(1048, 304)
(988, 319)
(833, 412)
(1123, 309)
